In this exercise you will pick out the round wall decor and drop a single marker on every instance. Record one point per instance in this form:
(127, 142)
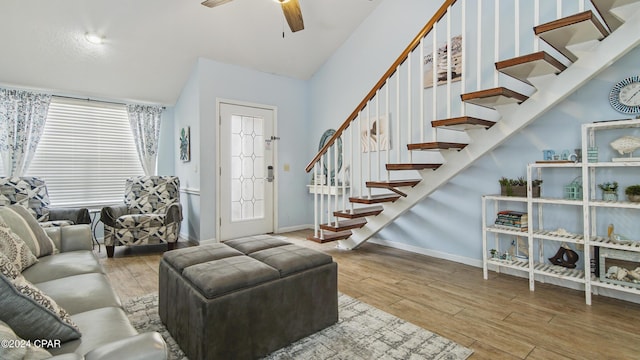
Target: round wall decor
(625, 96)
(323, 141)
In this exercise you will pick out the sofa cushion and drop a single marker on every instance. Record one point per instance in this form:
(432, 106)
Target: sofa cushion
(28, 229)
(19, 352)
(15, 249)
(62, 265)
(218, 277)
(55, 223)
(290, 259)
(248, 245)
(99, 327)
(30, 312)
(81, 293)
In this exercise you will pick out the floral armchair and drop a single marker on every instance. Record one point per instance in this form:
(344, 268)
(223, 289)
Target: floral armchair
(31, 193)
(151, 214)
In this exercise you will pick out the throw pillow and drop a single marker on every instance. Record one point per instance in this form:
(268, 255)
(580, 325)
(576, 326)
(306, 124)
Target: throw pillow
(7, 269)
(30, 312)
(27, 228)
(15, 249)
(17, 348)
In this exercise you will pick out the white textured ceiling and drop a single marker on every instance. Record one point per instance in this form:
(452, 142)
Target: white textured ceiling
(152, 45)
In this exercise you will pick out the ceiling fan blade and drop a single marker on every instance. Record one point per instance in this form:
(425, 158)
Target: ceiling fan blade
(214, 3)
(293, 14)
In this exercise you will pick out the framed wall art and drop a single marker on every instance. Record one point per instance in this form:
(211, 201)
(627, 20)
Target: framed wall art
(185, 144)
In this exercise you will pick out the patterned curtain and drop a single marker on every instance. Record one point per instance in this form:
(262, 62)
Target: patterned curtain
(145, 125)
(22, 118)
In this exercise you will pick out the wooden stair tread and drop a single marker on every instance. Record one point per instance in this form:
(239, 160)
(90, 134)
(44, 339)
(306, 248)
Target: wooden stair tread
(393, 183)
(462, 123)
(343, 225)
(437, 145)
(375, 199)
(604, 9)
(330, 237)
(359, 212)
(493, 97)
(392, 167)
(574, 29)
(531, 65)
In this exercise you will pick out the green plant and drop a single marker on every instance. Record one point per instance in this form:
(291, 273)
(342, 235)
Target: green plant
(609, 186)
(521, 181)
(632, 190)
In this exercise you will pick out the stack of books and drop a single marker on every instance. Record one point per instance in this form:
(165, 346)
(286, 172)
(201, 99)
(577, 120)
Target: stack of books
(512, 220)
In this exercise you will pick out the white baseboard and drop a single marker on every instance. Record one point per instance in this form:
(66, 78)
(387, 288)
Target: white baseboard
(423, 251)
(293, 228)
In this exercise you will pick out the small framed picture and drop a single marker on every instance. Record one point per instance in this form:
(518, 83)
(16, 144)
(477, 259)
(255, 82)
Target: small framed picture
(185, 144)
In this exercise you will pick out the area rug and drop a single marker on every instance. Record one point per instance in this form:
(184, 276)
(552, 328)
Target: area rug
(362, 332)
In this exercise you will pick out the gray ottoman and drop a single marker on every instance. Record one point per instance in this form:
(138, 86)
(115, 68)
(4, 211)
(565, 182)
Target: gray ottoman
(245, 298)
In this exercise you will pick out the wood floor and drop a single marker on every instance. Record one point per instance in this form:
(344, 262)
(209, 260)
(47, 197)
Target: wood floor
(498, 318)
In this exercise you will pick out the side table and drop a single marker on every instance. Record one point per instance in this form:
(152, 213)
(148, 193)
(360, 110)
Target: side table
(94, 213)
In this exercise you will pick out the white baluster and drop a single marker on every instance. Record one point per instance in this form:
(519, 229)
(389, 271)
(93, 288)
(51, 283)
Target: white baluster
(421, 90)
(434, 79)
(449, 62)
(316, 212)
(463, 66)
(388, 124)
(409, 112)
(496, 40)
(479, 48)
(398, 118)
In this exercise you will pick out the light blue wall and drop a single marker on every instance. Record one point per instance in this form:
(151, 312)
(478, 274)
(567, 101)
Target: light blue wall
(187, 114)
(449, 221)
(197, 106)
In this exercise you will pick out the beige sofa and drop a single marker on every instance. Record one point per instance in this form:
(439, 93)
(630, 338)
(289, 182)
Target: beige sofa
(75, 280)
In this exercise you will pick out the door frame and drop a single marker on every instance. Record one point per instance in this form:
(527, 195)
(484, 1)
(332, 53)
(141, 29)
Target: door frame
(274, 149)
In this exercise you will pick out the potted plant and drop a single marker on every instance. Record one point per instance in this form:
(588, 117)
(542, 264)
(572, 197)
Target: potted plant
(633, 193)
(518, 187)
(609, 191)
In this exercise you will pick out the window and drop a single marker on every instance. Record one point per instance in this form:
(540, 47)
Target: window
(86, 152)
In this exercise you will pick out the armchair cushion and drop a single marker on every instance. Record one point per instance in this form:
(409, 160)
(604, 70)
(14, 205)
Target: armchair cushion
(31, 193)
(139, 221)
(27, 228)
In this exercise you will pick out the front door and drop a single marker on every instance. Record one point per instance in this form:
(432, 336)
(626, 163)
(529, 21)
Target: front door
(246, 171)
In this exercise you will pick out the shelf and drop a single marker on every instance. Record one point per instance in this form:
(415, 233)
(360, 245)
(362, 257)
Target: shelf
(615, 204)
(587, 207)
(613, 124)
(506, 231)
(605, 242)
(628, 289)
(522, 265)
(557, 201)
(549, 235)
(505, 198)
(613, 164)
(327, 189)
(575, 165)
(559, 272)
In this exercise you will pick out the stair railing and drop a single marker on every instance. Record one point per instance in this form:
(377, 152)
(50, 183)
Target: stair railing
(346, 162)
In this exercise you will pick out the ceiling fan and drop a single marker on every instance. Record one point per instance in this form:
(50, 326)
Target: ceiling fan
(291, 9)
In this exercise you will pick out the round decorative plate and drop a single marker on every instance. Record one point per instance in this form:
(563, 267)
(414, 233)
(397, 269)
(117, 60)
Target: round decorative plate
(625, 96)
(323, 140)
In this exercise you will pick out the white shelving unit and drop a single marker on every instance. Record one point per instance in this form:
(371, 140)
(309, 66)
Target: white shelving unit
(538, 267)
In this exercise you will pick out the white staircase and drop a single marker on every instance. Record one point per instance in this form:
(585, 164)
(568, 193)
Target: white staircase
(582, 38)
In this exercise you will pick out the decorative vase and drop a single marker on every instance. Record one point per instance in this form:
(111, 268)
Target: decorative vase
(609, 196)
(634, 198)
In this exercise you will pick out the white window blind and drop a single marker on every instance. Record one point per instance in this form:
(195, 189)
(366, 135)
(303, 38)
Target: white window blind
(86, 152)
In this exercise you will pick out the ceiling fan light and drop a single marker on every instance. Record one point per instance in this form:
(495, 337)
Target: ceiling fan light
(94, 38)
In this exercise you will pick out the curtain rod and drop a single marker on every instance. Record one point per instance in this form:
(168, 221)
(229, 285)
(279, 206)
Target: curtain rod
(89, 99)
